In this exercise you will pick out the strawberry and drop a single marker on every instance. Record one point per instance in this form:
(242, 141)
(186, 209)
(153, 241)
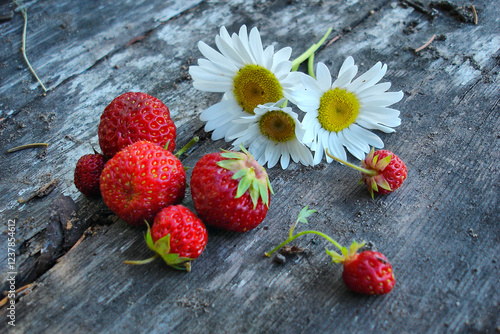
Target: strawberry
(368, 272)
(230, 190)
(87, 173)
(382, 171)
(132, 117)
(140, 180)
(177, 235)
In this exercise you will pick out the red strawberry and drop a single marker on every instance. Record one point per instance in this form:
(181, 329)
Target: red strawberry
(140, 180)
(388, 171)
(87, 173)
(177, 235)
(230, 190)
(382, 171)
(368, 272)
(132, 117)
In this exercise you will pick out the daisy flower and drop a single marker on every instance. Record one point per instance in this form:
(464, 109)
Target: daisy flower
(247, 74)
(340, 114)
(273, 133)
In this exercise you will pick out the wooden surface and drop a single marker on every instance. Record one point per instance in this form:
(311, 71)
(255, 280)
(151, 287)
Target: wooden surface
(440, 230)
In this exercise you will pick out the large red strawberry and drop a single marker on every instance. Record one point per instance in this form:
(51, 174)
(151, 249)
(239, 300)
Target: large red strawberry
(132, 117)
(368, 272)
(177, 235)
(382, 171)
(87, 173)
(140, 180)
(230, 190)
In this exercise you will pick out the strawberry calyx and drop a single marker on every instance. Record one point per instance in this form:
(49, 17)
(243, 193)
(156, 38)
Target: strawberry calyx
(162, 249)
(372, 163)
(347, 254)
(251, 175)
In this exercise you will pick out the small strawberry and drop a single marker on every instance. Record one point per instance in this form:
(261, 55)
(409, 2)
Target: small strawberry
(87, 173)
(132, 117)
(382, 171)
(230, 190)
(177, 235)
(140, 180)
(367, 272)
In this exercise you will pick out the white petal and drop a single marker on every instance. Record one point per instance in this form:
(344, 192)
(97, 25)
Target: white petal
(323, 72)
(369, 78)
(211, 54)
(323, 77)
(281, 56)
(385, 99)
(202, 74)
(256, 45)
(209, 86)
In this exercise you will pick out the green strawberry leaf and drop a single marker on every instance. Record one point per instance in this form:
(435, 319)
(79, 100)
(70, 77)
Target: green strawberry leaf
(304, 214)
(149, 239)
(382, 182)
(381, 164)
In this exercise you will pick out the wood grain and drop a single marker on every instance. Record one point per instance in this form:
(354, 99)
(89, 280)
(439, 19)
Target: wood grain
(440, 230)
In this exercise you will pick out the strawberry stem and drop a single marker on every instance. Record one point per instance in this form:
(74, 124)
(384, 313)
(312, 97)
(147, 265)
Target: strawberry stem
(187, 146)
(290, 239)
(139, 262)
(361, 169)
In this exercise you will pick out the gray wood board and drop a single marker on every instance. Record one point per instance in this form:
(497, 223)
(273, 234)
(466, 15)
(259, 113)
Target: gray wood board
(440, 230)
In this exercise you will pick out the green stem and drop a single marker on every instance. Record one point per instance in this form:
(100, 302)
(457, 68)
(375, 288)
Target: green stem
(290, 239)
(139, 262)
(361, 169)
(296, 63)
(187, 146)
(310, 66)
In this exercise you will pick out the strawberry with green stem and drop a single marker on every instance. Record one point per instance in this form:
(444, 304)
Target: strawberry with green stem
(382, 171)
(178, 236)
(368, 272)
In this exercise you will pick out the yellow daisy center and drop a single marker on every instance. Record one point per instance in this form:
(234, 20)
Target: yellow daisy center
(277, 126)
(254, 85)
(338, 108)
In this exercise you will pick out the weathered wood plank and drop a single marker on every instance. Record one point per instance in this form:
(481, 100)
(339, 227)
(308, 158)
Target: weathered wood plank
(440, 230)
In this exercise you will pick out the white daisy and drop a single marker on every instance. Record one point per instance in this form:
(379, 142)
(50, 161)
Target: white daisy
(247, 74)
(340, 114)
(273, 133)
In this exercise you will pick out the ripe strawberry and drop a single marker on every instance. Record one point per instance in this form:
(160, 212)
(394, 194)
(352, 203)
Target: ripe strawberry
(177, 235)
(87, 173)
(382, 171)
(140, 180)
(230, 190)
(368, 272)
(389, 171)
(132, 117)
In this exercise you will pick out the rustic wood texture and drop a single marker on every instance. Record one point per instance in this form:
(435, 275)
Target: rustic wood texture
(440, 230)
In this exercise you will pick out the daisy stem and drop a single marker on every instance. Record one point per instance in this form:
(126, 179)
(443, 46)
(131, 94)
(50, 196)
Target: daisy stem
(187, 146)
(361, 169)
(296, 63)
(310, 66)
(290, 239)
